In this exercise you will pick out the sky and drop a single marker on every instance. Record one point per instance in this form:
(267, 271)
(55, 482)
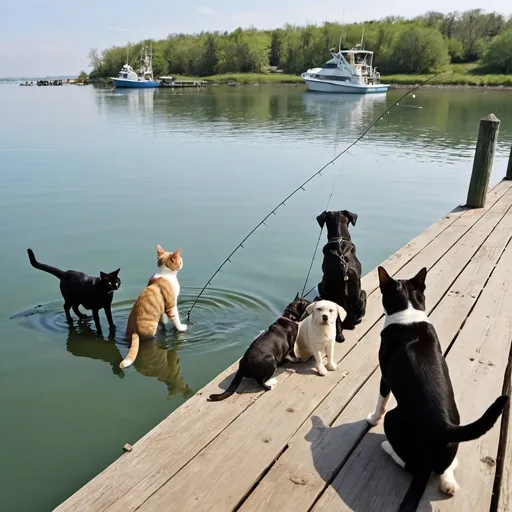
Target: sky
(53, 37)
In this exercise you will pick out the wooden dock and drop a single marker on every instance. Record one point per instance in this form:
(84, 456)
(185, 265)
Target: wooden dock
(306, 446)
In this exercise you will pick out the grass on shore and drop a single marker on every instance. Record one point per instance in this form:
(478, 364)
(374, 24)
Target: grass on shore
(248, 78)
(456, 74)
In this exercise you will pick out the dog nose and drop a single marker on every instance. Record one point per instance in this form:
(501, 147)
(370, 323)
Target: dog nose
(325, 318)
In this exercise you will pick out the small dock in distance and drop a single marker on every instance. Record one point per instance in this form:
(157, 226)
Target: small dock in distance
(306, 446)
(169, 81)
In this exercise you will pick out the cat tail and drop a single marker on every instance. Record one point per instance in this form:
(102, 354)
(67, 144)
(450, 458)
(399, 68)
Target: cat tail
(413, 495)
(132, 353)
(231, 389)
(41, 266)
(459, 434)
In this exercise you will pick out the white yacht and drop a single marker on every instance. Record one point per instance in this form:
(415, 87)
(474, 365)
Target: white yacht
(349, 71)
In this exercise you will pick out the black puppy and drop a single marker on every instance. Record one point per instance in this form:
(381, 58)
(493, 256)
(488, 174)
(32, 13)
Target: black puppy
(79, 289)
(269, 350)
(341, 281)
(424, 430)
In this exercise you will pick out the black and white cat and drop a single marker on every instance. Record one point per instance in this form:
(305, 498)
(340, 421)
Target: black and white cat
(79, 289)
(423, 431)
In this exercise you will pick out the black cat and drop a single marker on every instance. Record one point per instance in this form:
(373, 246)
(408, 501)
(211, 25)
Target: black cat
(79, 289)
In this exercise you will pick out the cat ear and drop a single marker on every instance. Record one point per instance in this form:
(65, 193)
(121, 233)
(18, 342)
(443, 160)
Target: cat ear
(296, 296)
(103, 275)
(384, 278)
(177, 253)
(115, 273)
(418, 281)
(159, 251)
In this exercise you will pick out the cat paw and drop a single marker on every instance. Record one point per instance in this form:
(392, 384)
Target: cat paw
(332, 366)
(448, 485)
(322, 371)
(181, 328)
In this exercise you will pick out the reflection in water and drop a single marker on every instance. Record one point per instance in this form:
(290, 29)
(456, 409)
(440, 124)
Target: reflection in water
(154, 360)
(138, 101)
(84, 342)
(448, 119)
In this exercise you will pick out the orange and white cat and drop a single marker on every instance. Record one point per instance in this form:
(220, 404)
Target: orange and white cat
(157, 303)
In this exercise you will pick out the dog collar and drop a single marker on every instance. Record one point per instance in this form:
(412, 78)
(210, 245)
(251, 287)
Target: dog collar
(338, 239)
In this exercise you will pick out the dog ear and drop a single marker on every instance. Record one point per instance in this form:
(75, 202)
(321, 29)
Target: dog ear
(341, 312)
(352, 217)
(310, 308)
(384, 278)
(321, 218)
(418, 281)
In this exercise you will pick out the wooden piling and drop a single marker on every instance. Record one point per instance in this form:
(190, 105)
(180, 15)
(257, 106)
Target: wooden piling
(482, 164)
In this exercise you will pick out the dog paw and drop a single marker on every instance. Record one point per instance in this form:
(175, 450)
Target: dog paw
(292, 359)
(181, 328)
(271, 383)
(373, 420)
(332, 366)
(322, 371)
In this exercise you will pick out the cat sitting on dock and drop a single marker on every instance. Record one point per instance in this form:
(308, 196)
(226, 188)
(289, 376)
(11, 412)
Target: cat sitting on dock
(79, 289)
(156, 304)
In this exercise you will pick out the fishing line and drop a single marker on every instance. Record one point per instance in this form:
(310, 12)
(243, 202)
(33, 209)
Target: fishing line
(301, 187)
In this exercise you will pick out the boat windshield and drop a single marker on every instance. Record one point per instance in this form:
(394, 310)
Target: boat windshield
(331, 64)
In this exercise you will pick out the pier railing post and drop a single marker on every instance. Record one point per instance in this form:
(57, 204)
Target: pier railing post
(508, 176)
(482, 164)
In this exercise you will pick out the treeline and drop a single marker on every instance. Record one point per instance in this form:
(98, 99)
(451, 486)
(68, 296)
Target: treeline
(401, 45)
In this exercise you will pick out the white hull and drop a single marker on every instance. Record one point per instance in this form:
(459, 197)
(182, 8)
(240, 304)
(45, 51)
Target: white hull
(342, 87)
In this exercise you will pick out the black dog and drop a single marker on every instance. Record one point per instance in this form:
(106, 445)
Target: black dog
(269, 350)
(341, 281)
(424, 430)
(79, 289)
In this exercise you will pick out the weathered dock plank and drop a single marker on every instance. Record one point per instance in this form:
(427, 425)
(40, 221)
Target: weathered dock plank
(274, 451)
(370, 480)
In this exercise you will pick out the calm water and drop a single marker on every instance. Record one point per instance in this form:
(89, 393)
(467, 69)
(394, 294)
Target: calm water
(93, 179)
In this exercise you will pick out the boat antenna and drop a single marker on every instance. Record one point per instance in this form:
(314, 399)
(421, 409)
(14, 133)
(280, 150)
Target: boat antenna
(341, 31)
(263, 222)
(362, 38)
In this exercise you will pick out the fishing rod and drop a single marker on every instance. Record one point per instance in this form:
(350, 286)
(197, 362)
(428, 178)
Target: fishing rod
(301, 187)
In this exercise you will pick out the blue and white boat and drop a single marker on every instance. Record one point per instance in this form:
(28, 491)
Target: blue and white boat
(144, 79)
(349, 72)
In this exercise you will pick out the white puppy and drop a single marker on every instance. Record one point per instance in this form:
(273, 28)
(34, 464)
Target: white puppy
(317, 334)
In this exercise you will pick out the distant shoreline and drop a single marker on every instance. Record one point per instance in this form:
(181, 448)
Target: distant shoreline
(395, 81)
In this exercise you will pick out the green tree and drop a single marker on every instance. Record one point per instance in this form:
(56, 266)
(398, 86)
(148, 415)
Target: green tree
(83, 76)
(419, 50)
(498, 56)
